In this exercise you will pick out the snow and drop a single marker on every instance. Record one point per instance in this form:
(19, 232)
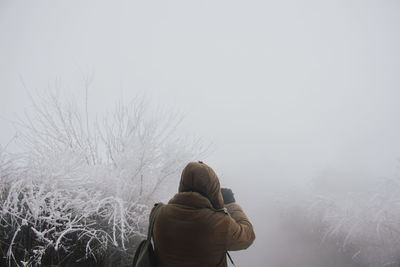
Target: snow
(91, 183)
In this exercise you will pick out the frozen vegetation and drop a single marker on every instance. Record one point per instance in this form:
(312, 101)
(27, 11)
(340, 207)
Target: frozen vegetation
(359, 222)
(78, 192)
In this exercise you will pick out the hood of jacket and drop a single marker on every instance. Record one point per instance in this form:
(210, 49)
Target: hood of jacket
(199, 177)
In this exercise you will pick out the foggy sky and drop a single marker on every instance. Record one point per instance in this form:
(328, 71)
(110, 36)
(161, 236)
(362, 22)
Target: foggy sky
(283, 90)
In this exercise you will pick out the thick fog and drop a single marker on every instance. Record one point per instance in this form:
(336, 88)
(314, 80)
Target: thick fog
(287, 95)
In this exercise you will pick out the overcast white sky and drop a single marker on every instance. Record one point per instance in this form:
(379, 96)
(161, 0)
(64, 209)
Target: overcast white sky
(283, 89)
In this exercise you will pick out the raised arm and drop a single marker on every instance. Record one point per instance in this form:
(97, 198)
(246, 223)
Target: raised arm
(240, 231)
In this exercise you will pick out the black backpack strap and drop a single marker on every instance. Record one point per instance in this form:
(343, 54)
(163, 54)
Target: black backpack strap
(137, 253)
(223, 210)
(152, 220)
(230, 258)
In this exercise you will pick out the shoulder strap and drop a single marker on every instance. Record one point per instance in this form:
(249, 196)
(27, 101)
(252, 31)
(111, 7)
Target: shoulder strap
(152, 220)
(223, 210)
(230, 258)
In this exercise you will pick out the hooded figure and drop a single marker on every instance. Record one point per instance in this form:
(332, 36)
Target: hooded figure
(195, 228)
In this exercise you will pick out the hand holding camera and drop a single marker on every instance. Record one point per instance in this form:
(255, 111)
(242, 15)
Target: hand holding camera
(227, 194)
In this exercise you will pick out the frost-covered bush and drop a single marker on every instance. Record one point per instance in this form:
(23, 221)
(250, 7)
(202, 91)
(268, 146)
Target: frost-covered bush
(79, 191)
(366, 223)
(360, 217)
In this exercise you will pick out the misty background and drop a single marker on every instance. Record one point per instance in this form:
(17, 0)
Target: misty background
(284, 92)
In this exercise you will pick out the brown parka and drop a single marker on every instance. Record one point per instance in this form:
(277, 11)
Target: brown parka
(195, 228)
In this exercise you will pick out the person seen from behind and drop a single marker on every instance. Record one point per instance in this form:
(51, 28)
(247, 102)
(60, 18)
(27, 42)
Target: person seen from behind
(200, 223)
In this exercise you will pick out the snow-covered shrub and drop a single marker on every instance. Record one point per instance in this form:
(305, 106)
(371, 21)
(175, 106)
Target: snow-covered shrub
(356, 215)
(365, 222)
(79, 191)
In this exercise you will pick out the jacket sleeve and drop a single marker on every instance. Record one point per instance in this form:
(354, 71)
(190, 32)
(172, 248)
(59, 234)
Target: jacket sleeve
(240, 231)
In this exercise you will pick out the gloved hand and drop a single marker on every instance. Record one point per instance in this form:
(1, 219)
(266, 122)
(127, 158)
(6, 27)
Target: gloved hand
(227, 194)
